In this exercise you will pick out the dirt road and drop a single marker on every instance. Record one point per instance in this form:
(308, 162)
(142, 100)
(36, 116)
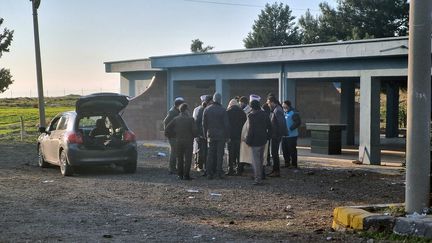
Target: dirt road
(105, 205)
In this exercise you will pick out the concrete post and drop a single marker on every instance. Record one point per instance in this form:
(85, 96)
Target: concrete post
(132, 88)
(347, 111)
(392, 110)
(369, 147)
(282, 84)
(170, 90)
(418, 117)
(222, 87)
(290, 90)
(35, 5)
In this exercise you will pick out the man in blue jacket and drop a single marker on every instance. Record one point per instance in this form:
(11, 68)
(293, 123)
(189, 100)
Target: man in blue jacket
(289, 142)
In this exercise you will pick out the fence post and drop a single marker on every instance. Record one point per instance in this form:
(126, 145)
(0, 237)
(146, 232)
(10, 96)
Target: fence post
(22, 128)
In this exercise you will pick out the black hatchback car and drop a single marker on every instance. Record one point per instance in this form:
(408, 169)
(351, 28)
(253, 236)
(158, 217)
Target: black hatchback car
(93, 134)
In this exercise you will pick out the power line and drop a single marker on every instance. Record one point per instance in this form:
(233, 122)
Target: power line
(243, 5)
(224, 3)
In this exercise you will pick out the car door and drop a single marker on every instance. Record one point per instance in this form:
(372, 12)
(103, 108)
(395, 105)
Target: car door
(57, 136)
(47, 144)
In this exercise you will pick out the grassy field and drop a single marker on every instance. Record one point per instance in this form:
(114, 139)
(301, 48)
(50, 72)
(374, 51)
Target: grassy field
(11, 111)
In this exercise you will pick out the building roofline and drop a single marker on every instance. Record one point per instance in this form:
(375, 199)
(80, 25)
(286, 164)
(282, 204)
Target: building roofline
(288, 47)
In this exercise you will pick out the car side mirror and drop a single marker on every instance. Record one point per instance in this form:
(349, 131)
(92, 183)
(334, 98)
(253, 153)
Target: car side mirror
(43, 130)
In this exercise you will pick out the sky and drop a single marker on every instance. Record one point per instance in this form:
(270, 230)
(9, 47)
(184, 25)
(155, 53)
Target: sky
(77, 37)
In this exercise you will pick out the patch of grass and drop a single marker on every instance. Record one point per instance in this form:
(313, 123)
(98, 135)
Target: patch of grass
(11, 111)
(388, 236)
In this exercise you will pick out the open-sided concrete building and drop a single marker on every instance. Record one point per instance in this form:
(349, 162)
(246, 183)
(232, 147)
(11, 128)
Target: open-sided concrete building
(320, 79)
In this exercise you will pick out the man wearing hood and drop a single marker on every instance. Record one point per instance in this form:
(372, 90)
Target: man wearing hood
(216, 131)
(237, 118)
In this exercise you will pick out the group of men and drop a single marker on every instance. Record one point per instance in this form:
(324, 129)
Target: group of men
(249, 129)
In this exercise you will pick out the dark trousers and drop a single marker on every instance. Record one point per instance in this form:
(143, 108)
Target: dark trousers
(173, 154)
(215, 157)
(268, 153)
(202, 153)
(289, 149)
(275, 153)
(234, 155)
(184, 157)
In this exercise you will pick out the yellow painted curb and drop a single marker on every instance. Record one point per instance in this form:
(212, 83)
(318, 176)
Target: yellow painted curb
(347, 217)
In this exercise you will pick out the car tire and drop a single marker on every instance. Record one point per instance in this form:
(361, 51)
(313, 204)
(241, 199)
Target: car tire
(65, 168)
(130, 167)
(41, 161)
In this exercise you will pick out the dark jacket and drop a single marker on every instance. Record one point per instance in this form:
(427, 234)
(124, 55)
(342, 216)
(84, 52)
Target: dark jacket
(279, 128)
(260, 129)
(198, 116)
(236, 118)
(215, 122)
(172, 113)
(184, 127)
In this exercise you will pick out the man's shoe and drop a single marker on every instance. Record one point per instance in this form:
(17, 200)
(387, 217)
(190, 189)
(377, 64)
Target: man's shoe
(274, 174)
(230, 173)
(256, 183)
(180, 177)
(187, 178)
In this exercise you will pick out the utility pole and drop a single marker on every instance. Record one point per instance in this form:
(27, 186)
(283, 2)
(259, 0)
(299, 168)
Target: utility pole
(419, 107)
(35, 6)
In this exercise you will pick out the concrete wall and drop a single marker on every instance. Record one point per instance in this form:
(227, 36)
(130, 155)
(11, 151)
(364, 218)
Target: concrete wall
(135, 83)
(145, 113)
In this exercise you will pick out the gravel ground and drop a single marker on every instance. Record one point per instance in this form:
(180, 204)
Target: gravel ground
(101, 204)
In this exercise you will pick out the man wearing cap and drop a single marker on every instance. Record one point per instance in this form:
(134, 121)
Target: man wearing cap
(200, 144)
(246, 150)
(236, 118)
(172, 113)
(215, 130)
(185, 128)
(259, 130)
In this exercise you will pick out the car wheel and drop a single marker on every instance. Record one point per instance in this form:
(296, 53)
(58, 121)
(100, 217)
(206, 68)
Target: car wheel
(41, 162)
(130, 167)
(65, 167)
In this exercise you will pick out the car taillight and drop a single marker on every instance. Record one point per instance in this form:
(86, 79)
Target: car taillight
(74, 137)
(129, 136)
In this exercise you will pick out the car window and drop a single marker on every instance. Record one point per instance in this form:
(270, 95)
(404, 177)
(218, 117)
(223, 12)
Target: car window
(88, 122)
(62, 124)
(54, 123)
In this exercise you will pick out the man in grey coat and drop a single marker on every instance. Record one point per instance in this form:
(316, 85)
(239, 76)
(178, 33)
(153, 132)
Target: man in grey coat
(172, 113)
(216, 131)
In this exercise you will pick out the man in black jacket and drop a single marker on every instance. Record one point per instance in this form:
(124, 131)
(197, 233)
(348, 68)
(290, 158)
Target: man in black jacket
(260, 129)
(200, 142)
(172, 113)
(237, 118)
(279, 130)
(186, 130)
(215, 130)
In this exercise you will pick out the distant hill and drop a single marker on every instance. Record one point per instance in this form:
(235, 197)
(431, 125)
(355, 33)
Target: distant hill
(68, 101)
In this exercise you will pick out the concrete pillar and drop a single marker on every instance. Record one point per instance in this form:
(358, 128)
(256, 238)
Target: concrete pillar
(347, 111)
(222, 87)
(369, 147)
(282, 84)
(417, 193)
(170, 90)
(290, 91)
(132, 88)
(392, 110)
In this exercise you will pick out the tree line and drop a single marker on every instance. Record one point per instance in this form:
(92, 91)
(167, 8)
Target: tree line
(349, 20)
